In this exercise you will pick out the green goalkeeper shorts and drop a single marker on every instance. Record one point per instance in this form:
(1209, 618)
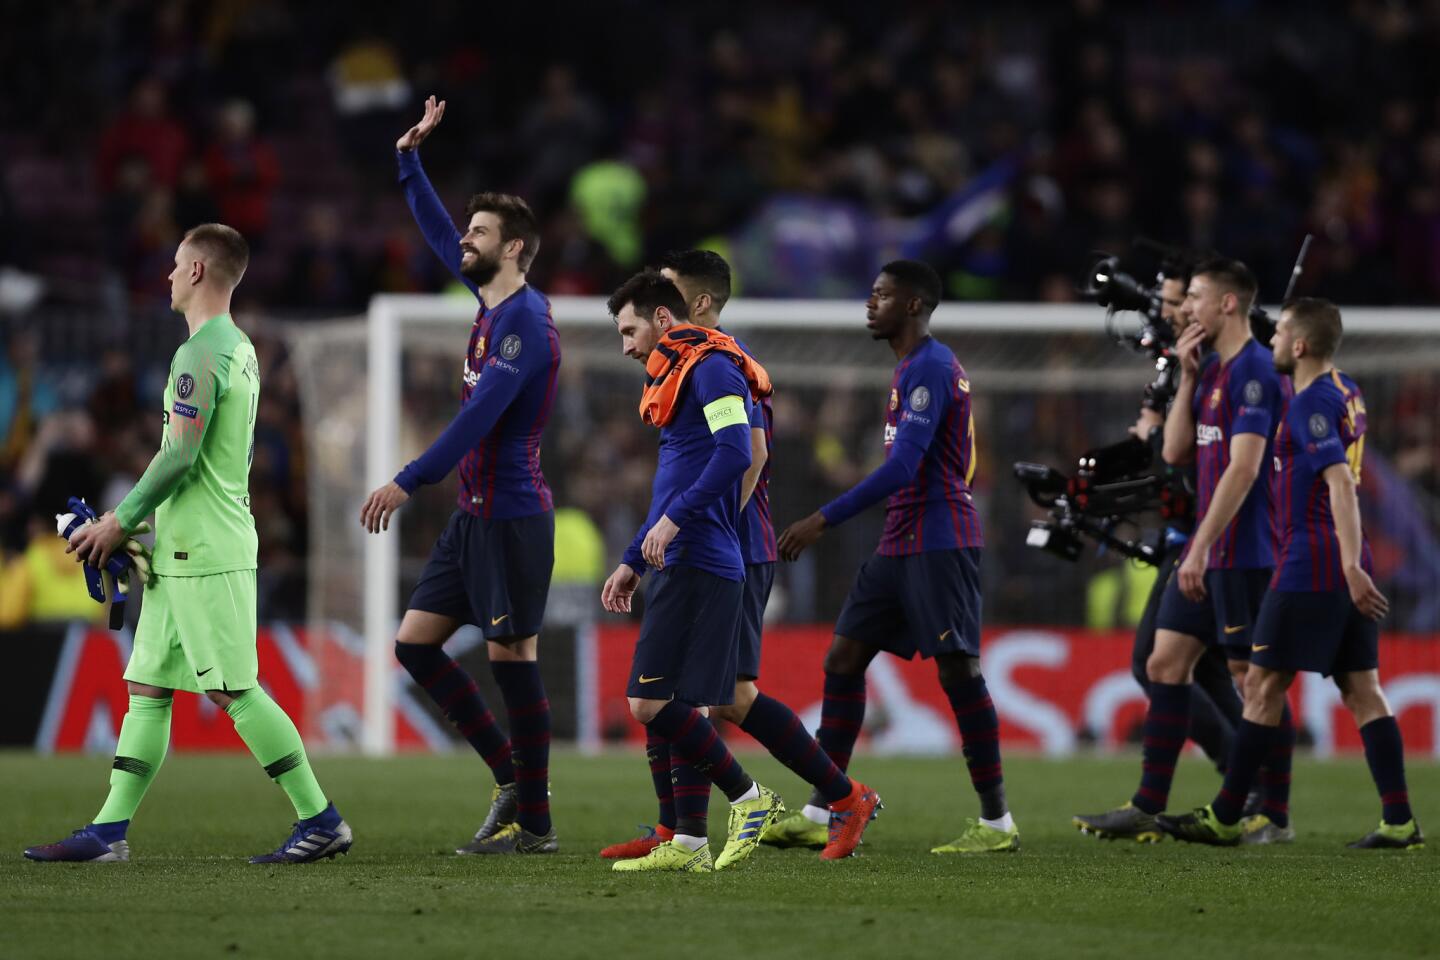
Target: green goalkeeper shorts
(197, 633)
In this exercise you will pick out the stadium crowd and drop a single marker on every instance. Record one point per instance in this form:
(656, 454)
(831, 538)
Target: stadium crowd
(806, 155)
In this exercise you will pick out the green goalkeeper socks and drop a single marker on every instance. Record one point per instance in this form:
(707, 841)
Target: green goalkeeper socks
(275, 742)
(144, 735)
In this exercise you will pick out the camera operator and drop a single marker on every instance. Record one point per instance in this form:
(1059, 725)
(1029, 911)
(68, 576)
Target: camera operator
(1214, 703)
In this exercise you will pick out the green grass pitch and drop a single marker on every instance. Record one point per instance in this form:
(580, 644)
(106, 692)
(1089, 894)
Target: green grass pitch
(402, 893)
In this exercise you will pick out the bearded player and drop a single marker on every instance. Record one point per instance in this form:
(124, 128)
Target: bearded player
(491, 566)
(197, 625)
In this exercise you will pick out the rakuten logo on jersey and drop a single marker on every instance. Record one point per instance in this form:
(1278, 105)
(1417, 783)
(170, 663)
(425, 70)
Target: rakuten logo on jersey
(472, 377)
(890, 432)
(1208, 433)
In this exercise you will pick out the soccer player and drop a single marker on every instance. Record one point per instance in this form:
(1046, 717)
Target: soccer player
(703, 279)
(197, 625)
(1214, 702)
(700, 387)
(491, 566)
(1223, 416)
(1322, 609)
(920, 591)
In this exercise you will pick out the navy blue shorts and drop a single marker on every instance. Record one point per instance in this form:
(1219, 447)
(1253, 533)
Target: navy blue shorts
(1227, 614)
(759, 579)
(926, 603)
(494, 574)
(1318, 632)
(688, 638)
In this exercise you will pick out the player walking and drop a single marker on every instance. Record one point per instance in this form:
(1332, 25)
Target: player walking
(920, 591)
(197, 625)
(703, 279)
(700, 389)
(1321, 612)
(1223, 417)
(491, 566)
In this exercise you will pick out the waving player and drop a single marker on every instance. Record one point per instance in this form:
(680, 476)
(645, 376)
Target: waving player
(920, 591)
(1321, 612)
(197, 625)
(491, 566)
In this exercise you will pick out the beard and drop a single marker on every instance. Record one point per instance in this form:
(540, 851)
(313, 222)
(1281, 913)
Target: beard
(481, 269)
(1285, 365)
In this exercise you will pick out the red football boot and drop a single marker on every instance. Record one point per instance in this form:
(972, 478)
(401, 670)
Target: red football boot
(848, 820)
(640, 846)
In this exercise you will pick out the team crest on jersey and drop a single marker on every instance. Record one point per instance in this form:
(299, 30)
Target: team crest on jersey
(1253, 393)
(963, 384)
(185, 386)
(1215, 399)
(919, 399)
(479, 349)
(1319, 426)
(510, 347)
(894, 399)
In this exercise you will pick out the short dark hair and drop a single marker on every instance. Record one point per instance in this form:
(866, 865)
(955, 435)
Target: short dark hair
(517, 222)
(705, 267)
(1176, 268)
(917, 277)
(648, 290)
(222, 248)
(1231, 274)
(1317, 322)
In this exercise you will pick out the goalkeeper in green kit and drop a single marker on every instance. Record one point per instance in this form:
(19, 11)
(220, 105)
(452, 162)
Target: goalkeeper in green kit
(197, 624)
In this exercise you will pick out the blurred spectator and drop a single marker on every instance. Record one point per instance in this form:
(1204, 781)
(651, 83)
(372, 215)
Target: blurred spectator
(243, 172)
(25, 398)
(324, 272)
(145, 129)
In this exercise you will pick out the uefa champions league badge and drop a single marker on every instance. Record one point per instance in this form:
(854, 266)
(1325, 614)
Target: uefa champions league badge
(1253, 393)
(185, 386)
(919, 399)
(510, 347)
(1319, 426)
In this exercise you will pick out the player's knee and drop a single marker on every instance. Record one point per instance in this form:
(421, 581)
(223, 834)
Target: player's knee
(956, 668)
(146, 690)
(1362, 696)
(847, 657)
(513, 649)
(739, 709)
(644, 710)
(221, 698)
(1173, 659)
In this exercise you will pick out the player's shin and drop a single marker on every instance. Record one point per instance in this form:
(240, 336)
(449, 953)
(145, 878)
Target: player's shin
(529, 711)
(1253, 744)
(778, 730)
(1275, 773)
(842, 714)
(1166, 722)
(980, 739)
(144, 737)
(1385, 754)
(274, 741)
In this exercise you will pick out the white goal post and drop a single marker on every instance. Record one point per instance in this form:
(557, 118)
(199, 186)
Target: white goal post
(1412, 330)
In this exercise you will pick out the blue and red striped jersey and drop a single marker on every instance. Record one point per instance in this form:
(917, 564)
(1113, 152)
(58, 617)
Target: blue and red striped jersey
(757, 528)
(929, 406)
(507, 391)
(1324, 425)
(1242, 395)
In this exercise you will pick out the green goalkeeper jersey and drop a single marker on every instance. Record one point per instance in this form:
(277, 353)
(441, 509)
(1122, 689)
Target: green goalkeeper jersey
(198, 485)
